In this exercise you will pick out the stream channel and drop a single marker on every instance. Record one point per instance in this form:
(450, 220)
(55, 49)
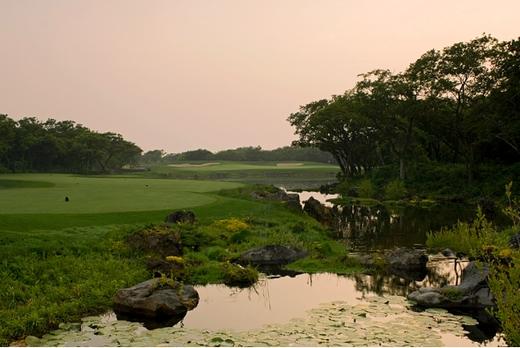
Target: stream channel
(313, 309)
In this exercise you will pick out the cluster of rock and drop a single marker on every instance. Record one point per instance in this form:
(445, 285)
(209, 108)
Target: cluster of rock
(472, 293)
(161, 299)
(158, 299)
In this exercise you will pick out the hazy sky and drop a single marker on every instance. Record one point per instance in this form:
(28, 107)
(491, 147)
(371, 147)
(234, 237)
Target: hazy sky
(178, 75)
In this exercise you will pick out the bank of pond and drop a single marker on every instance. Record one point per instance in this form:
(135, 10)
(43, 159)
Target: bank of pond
(288, 273)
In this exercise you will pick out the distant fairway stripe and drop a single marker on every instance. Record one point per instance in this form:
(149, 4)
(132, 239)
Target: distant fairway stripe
(89, 195)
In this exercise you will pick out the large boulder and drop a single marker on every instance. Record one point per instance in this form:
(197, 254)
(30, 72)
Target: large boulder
(180, 216)
(271, 255)
(315, 209)
(158, 239)
(156, 299)
(472, 293)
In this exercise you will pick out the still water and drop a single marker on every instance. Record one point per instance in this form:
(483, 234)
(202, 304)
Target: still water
(381, 226)
(281, 310)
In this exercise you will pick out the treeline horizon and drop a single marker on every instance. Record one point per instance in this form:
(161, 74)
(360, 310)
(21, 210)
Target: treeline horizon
(458, 105)
(246, 153)
(29, 145)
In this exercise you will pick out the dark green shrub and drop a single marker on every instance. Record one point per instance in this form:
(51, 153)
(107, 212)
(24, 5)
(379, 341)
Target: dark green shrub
(395, 190)
(240, 237)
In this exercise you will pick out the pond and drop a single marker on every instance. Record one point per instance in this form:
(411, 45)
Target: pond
(381, 226)
(304, 309)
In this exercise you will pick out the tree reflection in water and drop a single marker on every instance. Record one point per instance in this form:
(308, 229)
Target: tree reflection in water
(441, 271)
(381, 227)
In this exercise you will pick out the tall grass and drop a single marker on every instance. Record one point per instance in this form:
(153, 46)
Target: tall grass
(480, 239)
(467, 238)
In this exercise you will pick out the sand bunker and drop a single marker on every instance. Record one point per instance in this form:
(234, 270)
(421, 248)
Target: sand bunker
(289, 164)
(189, 165)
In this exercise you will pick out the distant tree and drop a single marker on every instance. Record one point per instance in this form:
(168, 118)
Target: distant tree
(32, 145)
(196, 155)
(152, 157)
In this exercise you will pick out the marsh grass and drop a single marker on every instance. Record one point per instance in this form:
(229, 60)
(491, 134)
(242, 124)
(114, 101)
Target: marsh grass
(51, 277)
(482, 240)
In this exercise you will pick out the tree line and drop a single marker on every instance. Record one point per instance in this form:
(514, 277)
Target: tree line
(460, 104)
(33, 145)
(250, 153)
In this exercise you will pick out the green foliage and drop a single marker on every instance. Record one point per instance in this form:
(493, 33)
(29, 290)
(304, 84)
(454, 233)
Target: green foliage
(458, 105)
(58, 276)
(366, 189)
(395, 190)
(504, 282)
(468, 238)
(240, 237)
(286, 153)
(32, 145)
(481, 240)
(217, 253)
(512, 210)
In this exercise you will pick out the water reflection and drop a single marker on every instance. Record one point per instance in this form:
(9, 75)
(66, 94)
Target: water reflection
(278, 299)
(440, 271)
(381, 227)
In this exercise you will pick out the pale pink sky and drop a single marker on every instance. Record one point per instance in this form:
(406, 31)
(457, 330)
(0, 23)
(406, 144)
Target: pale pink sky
(178, 75)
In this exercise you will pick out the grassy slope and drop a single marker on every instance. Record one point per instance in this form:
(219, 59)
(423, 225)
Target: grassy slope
(58, 267)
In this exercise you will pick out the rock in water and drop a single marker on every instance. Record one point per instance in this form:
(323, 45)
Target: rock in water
(155, 300)
(181, 216)
(472, 293)
(271, 255)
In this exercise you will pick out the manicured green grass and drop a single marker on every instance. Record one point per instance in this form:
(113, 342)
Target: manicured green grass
(102, 194)
(262, 166)
(290, 175)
